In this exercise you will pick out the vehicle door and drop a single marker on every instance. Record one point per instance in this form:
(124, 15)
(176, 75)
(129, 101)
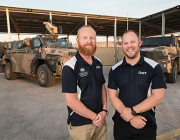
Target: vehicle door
(25, 56)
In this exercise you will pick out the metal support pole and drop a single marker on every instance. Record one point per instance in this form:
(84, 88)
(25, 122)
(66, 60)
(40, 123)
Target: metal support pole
(139, 29)
(163, 24)
(115, 29)
(106, 41)
(68, 38)
(127, 21)
(18, 36)
(85, 20)
(8, 24)
(50, 16)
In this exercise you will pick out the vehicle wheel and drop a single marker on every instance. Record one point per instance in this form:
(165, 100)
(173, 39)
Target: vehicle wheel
(45, 76)
(172, 77)
(9, 74)
(1, 50)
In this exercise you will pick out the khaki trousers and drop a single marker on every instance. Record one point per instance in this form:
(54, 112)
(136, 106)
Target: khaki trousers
(87, 132)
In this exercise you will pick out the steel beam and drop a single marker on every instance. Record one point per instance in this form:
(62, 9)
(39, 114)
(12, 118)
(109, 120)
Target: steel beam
(140, 29)
(18, 36)
(163, 24)
(15, 25)
(76, 27)
(115, 29)
(127, 22)
(68, 37)
(85, 20)
(50, 16)
(106, 41)
(8, 24)
(91, 22)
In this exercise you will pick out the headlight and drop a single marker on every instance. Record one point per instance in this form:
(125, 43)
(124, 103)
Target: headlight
(164, 65)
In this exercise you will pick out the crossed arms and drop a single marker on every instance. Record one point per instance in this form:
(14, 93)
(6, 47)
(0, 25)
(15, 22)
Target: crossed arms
(136, 121)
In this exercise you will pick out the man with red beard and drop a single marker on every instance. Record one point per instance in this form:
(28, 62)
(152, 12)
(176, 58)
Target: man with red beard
(83, 84)
(136, 85)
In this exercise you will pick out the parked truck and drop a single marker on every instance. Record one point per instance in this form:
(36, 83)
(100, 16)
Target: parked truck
(165, 51)
(42, 56)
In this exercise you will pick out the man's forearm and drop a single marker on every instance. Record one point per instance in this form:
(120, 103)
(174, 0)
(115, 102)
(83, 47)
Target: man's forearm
(146, 105)
(78, 107)
(104, 97)
(115, 101)
(150, 102)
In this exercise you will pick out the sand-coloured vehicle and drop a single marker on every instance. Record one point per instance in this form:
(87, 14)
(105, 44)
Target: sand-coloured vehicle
(165, 51)
(42, 56)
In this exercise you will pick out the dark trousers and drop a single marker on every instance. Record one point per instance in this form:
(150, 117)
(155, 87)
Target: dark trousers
(124, 131)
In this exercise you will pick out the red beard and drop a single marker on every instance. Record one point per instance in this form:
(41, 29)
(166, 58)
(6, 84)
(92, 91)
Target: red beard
(87, 51)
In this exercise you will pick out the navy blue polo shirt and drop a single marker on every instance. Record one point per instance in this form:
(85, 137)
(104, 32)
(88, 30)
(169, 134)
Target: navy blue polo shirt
(86, 81)
(135, 84)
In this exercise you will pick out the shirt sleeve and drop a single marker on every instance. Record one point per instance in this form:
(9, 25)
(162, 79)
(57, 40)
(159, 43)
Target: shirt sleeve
(112, 84)
(69, 80)
(158, 78)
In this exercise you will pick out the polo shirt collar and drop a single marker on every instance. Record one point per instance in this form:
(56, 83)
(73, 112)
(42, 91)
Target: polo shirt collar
(81, 60)
(124, 62)
(140, 62)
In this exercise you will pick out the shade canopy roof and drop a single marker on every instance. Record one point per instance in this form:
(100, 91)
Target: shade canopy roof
(24, 20)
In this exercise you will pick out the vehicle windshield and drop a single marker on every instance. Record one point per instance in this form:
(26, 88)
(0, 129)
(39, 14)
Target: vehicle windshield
(156, 41)
(57, 42)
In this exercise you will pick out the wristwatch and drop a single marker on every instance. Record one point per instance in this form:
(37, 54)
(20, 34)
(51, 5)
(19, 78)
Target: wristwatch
(133, 111)
(105, 111)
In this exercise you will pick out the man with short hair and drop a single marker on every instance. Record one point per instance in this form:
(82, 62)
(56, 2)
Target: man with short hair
(136, 85)
(83, 84)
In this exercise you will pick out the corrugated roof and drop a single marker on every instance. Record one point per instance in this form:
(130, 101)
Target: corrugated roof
(25, 20)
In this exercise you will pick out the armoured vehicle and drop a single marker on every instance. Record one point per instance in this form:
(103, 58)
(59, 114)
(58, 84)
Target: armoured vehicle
(42, 56)
(165, 51)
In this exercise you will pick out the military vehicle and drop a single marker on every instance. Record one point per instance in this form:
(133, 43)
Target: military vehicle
(42, 56)
(165, 51)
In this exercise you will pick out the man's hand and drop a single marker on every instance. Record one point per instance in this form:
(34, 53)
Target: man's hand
(125, 113)
(99, 120)
(138, 122)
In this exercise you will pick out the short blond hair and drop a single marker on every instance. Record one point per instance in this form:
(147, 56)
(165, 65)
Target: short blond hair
(84, 26)
(128, 31)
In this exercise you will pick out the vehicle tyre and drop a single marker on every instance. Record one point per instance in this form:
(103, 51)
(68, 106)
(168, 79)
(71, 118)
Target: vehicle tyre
(45, 76)
(1, 50)
(172, 77)
(9, 74)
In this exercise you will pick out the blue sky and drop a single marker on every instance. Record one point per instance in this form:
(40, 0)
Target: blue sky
(134, 8)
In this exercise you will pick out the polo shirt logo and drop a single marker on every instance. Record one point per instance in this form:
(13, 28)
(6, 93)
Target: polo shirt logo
(98, 67)
(83, 72)
(143, 73)
(82, 69)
